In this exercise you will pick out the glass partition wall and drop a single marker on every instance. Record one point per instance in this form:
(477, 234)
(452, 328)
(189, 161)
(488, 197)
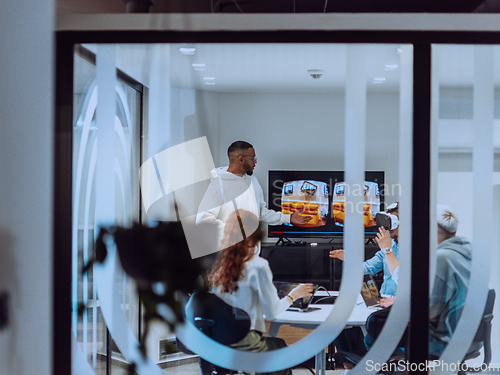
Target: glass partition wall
(465, 177)
(106, 156)
(304, 107)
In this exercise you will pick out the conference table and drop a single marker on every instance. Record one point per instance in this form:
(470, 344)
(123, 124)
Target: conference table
(312, 319)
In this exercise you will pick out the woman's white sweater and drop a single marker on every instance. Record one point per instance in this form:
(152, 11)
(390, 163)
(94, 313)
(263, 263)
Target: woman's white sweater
(256, 294)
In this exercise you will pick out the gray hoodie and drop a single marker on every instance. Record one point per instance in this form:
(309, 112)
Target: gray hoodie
(449, 291)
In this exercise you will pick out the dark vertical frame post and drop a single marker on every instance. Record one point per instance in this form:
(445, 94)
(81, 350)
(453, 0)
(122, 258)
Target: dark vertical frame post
(108, 352)
(419, 314)
(61, 273)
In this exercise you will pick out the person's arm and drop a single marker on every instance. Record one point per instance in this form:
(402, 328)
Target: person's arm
(395, 275)
(272, 217)
(339, 254)
(269, 301)
(440, 291)
(437, 299)
(271, 304)
(384, 242)
(374, 264)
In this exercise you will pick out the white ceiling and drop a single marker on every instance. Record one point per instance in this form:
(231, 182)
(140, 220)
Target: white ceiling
(283, 67)
(279, 67)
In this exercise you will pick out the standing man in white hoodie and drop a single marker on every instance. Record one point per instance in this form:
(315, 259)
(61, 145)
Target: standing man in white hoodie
(235, 187)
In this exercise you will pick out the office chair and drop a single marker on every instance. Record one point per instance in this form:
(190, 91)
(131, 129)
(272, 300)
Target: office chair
(219, 321)
(482, 339)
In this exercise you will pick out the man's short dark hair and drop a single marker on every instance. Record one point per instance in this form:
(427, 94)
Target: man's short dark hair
(237, 146)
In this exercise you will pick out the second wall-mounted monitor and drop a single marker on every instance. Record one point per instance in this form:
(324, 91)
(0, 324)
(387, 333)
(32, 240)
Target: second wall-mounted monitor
(320, 195)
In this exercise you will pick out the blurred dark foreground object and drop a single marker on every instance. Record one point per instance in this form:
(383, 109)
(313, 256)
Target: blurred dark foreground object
(155, 254)
(159, 261)
(138, 6)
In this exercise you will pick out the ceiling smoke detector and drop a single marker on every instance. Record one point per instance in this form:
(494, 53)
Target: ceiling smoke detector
(315, 73)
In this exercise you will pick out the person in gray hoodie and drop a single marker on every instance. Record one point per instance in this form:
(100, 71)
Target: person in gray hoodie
(451, 283)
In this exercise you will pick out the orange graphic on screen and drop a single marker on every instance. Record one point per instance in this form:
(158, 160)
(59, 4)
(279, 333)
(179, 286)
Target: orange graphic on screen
(371, 205)
(308, 196)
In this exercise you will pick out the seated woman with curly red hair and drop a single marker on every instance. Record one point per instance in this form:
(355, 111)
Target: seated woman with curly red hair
(243, 279)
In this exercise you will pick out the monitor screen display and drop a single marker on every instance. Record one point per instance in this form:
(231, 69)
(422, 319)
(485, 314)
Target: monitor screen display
(320, 195)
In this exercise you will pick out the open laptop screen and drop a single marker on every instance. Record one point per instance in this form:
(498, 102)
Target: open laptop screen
(284, 288)
(369, 291)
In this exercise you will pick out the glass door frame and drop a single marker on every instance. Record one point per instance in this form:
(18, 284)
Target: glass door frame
(421, 41)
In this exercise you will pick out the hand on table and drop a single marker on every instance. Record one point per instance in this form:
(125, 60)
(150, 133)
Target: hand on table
(383, 239)
(303, 290)
(296, 219)
(339, 254)
(386, 302)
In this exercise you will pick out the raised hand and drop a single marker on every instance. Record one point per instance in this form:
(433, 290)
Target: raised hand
(383, 239)
(339, 254)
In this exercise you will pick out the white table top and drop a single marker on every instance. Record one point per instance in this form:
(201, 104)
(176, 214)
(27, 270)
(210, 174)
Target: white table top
(312, 319)
(316, 317)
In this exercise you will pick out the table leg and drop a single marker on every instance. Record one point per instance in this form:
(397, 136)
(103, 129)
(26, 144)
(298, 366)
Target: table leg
(320, 363)
(273, 329)
(363, 329)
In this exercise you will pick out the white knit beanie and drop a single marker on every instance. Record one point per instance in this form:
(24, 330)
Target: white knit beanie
(446, 218)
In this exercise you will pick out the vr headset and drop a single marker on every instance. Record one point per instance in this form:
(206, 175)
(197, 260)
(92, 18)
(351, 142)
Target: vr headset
(388, 221)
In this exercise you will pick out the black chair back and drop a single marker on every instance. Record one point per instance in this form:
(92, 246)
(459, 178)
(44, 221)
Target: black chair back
(483, 336)
(486, 323)
(218, 320)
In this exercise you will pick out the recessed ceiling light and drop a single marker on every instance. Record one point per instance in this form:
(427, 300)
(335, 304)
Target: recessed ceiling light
(377, 82)
(208, 78)
(209, 83)
(391, 66)
(198, 65)
(187, 50)
(316, 73)
(400, 50)
(381, 79)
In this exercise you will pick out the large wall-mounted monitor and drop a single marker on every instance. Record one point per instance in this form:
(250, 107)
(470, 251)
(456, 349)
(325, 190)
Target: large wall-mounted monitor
(320, 195)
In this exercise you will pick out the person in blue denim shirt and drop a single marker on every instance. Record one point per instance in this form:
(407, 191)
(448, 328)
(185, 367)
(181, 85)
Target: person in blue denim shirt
(385, 259)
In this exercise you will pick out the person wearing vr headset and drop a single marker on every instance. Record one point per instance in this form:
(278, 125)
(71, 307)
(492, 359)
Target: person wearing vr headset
(386, 258)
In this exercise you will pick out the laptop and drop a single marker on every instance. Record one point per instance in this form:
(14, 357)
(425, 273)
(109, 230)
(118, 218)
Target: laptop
(370, 292)
(301, 304)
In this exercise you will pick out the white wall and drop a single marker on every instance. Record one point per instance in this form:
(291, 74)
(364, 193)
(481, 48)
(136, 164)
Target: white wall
(205, 120)
(26, 152)
(306, 131)
(192, 115)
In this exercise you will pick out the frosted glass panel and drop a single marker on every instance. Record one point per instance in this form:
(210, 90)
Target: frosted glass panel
(466, 179)
(334, 119)
(89, 328)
